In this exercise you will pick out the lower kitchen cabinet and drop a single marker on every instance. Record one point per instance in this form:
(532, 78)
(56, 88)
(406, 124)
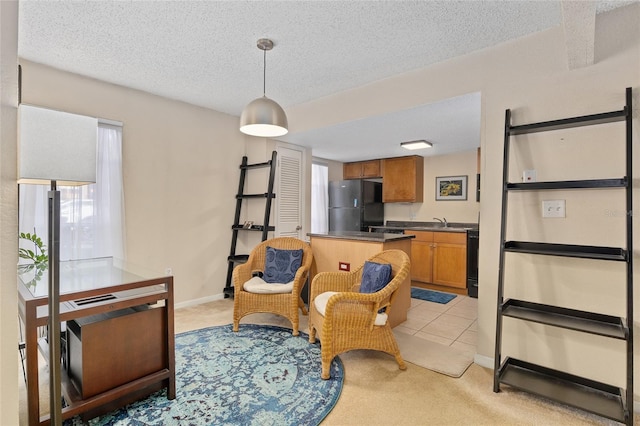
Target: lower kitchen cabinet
(439, 260)
(450, 259)
(421, 256)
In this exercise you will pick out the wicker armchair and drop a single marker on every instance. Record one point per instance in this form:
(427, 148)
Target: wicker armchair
(284, 304)
(350, 317)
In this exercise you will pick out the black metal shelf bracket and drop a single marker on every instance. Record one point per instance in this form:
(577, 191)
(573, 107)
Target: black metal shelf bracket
(234, 259)
(603, 399)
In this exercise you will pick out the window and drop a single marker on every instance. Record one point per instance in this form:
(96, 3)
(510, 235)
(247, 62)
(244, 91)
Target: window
(91, 216)
(319, 198)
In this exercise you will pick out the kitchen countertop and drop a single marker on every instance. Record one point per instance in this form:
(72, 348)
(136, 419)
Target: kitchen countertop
(377, 237)
(427, 226)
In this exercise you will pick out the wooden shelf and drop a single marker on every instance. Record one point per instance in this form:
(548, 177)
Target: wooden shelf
(567, 250)
(594, 397)
(588, 322)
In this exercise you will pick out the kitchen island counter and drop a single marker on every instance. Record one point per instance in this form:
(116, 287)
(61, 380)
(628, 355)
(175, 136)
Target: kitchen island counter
(348, 250)
(375, 237)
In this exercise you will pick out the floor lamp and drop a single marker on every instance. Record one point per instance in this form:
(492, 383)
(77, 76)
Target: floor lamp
(58, 148)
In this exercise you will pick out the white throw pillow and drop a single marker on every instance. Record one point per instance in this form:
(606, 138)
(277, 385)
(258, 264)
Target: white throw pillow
(321, 300)
(257, 285)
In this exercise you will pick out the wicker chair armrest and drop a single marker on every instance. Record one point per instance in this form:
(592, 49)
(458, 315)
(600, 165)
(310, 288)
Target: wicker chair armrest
(353, 310)
(242, 273)
(300, 278)
(331, 281)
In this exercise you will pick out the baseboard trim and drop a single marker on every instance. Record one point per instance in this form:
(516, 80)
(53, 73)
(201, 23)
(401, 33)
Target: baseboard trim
(483, 361)
(195, 302)
(487, 362)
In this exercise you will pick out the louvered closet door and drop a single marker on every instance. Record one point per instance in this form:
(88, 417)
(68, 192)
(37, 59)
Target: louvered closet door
(289, 193)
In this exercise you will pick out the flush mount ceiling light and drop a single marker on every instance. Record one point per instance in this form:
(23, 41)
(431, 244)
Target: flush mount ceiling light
(263, 116)
(421, 144)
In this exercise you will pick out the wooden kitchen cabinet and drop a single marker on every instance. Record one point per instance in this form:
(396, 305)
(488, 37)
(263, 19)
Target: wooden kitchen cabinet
(450, 259)
(403, 179)
(362, 170)
(439, 259)
(421, 256)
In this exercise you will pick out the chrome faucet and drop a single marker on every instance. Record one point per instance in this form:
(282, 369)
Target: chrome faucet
(443, 221)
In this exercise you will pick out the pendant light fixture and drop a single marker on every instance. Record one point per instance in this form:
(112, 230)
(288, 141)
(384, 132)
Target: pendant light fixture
(263, 116)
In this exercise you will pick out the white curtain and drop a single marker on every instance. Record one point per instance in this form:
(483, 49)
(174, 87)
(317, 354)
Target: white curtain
(319, 198)
(92, 216)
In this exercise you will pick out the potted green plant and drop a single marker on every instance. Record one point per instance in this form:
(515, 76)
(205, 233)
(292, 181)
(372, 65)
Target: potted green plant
(39, 260)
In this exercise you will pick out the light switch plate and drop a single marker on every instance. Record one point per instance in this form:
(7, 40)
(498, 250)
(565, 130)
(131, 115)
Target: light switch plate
(553, 208)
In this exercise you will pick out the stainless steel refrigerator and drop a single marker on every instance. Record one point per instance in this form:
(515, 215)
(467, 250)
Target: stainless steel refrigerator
(354, 205)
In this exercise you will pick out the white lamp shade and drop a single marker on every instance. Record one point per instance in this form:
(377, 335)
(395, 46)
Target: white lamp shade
(264, 117)
(56, 145)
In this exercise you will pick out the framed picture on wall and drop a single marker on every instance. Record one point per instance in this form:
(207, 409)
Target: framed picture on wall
(451, 188)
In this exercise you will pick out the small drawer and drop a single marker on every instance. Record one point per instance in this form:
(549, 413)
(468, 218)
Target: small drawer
(424, 236)
(450, 237)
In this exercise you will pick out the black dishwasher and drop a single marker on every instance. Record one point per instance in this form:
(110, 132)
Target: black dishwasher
(473, 238)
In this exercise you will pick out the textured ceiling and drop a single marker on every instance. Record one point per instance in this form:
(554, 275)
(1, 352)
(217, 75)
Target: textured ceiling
(204, 52)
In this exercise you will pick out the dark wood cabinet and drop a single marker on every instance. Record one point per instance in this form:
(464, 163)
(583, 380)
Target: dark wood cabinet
(141, 349)
(403, 179)
(362, 170)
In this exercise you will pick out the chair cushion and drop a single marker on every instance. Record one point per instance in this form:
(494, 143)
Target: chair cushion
(280, 266)
(374, 277)
(257, 285)
(321, 300)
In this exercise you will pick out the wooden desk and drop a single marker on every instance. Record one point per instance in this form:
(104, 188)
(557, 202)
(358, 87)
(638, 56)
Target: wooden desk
(90, 287)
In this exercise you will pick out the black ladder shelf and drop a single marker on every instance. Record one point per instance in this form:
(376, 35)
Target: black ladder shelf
(596, 397)
(235, 258)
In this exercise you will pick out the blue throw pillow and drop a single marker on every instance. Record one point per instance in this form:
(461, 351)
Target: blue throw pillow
(280, 266)
(374, 277)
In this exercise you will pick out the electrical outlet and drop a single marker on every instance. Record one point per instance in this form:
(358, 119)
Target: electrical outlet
(529, 176)
(344, 266)
(553, 208)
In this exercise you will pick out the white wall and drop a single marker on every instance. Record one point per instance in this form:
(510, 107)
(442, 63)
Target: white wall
(529, 76)
(181, 172)
(8, 212)
(458, 164)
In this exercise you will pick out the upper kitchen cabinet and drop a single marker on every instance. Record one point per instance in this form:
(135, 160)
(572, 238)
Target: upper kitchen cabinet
(403, 179)
(362, 170)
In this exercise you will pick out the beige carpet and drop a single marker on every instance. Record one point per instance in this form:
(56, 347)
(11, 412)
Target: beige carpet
(434, 356)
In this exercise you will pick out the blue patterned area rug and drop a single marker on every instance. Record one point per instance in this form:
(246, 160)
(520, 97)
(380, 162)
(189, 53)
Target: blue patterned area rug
(261, 375)
(431, 296)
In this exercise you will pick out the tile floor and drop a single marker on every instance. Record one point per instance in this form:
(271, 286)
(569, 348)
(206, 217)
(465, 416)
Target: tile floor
(452, 324)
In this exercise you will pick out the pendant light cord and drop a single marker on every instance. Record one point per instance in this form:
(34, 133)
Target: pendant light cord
(264, 74)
